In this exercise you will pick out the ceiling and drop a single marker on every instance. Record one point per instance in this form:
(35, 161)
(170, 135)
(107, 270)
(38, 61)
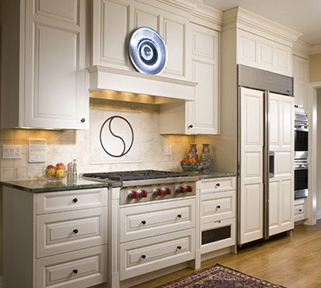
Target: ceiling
(300, 15)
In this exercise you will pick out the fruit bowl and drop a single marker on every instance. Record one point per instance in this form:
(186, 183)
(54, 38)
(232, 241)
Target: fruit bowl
(55, 174)
(191, 166)
(54, 179)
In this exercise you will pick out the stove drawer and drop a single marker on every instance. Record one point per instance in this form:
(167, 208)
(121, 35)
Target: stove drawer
(144, 256)
(217, 206)
(69, 231)
(217, 185)
(71, 200)
(80, 269)
(141, 221)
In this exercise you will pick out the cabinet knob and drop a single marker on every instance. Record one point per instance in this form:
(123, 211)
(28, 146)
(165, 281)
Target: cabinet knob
(75, 271)
(217, 185)
(179, 247)
(75, 200)
(190, 126)
(179, 216)
(143, 222)
(143, 256)
(75, 231)
(218, 206)
(83, 120)
(300, 210)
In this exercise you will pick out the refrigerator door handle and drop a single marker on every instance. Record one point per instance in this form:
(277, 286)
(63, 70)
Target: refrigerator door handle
(271, 164)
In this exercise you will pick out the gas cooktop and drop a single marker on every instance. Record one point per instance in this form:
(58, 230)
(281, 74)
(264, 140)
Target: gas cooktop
(135, 175)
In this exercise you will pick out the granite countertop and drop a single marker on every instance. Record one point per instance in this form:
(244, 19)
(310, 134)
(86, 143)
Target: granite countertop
(42, 185)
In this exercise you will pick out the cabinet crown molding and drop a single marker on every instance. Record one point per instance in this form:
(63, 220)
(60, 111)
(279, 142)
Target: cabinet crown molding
(302, 49)
(315, 49)
(240, 18)
(186, 5)
(210, 14)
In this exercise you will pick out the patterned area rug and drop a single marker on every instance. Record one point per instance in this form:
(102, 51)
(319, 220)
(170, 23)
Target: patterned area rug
(219, 276)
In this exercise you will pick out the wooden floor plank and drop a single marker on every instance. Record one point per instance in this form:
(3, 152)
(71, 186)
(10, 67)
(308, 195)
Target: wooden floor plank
(293, 261)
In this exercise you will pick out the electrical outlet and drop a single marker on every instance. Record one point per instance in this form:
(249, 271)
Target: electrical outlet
(167, 150)
(11, 152)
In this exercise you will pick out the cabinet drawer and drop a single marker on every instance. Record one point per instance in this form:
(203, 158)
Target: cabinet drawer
(68, 231)
(80, 269)
(217, 235)
(299, 210)
(217, 185)
(144, 256)
(155, 219)
(71, 200)
(217, 206)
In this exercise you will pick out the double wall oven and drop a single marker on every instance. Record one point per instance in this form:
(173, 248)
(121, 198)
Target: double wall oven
(301, 166)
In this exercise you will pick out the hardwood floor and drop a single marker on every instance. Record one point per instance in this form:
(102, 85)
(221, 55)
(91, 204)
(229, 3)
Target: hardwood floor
(292, 261)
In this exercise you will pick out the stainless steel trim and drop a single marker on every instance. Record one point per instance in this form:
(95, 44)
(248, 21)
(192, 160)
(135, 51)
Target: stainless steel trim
(301, 155)
(266, 178)
(301, 166)
(299, 128)
(302, 193)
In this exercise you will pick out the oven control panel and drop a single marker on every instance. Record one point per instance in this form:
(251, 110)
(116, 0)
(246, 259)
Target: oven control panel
(139, 194)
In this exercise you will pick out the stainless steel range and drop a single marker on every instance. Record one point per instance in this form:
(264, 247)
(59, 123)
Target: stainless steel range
(149, 185)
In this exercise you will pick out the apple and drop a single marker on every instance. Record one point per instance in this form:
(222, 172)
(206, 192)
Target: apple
(50, 171)
(60, 173)
(60, 166)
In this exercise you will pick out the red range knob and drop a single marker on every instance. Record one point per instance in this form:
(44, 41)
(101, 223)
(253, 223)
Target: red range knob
(158, 192)
(168, 191)
(189, 189)
(180, 189)
(133, 195)
(143, 194)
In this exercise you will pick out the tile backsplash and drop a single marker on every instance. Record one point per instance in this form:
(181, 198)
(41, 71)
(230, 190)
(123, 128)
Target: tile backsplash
(64, 146)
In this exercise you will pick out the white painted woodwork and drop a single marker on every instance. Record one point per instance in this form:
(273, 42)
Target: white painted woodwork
(218, 185)
(251, 176)
(300, 210)
(162, 217)
(217, 206)
(57, 271)
(210, 247)
(55, 232)
(53, 92)
(162, 251)
(301, 78)
(262, 53)
(281, 192)
(64, 200)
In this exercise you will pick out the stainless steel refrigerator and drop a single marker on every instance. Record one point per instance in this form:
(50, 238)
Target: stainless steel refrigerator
(265, 154)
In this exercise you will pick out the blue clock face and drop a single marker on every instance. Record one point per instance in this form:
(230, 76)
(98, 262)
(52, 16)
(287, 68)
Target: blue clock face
(148, 51)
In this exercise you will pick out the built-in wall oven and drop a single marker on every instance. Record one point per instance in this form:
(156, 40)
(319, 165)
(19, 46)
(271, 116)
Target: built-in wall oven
(301, 166)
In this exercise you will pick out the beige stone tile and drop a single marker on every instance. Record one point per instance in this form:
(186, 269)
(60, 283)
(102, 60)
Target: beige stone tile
(23, 162)
(20, 135)
(7, 174)
(6, 163)
(20, 173)
(7, 134)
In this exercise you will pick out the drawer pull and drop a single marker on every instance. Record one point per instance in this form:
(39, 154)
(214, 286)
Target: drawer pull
(300, 210)
(75, 200)
(179, 216)
(179, 247)
(217, 185)
(143, 256)
(75, 271)
(217, 222)
(218, 206)
(75, 231)
(143, 222)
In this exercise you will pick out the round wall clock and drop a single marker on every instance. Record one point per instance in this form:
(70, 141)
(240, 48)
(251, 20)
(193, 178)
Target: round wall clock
(147, 51)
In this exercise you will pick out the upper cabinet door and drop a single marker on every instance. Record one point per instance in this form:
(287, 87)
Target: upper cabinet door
(300, 74)
(55, 76)
(261, 53)
(203, 113)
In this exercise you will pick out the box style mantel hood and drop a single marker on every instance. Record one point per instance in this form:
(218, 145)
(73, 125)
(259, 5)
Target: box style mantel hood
(106, 78)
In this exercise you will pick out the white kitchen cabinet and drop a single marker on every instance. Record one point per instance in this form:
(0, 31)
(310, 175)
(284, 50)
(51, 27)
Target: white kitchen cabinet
(55, 247)
(43, 68)
(300, 75)
(115, 20)
(281, 191)
(217, 214)
(200, 116)
(262, 53)
(251, 178)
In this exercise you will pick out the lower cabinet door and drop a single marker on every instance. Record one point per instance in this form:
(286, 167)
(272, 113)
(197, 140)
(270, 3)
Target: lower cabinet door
(217, 235)
(147, 255)
(79, 269)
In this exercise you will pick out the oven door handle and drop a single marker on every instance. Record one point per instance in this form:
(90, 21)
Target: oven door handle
(304, 129)
(301, 167)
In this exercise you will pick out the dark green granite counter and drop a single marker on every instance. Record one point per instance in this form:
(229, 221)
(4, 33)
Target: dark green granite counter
(42, 185)
(209, 175)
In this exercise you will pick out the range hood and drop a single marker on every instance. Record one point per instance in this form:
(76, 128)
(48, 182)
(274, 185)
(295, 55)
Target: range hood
(105, 78)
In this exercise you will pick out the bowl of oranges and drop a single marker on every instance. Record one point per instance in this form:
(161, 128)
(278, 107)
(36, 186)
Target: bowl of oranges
(190, 165)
